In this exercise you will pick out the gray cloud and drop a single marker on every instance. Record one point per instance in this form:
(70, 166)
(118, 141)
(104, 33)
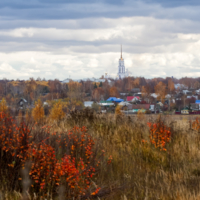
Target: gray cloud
(76, 9)
(174, 3)
(58, 39)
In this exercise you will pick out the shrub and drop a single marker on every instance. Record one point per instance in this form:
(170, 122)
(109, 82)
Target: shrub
(14, 143)
(159, 134)
(195, 125)
(81, 117)
(69, 160)
(141, 114)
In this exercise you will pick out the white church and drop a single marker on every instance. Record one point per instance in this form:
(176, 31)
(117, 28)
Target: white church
(122, 72)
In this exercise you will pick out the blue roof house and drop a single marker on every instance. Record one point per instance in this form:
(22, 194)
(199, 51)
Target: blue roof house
(117, 100)
(197, 101)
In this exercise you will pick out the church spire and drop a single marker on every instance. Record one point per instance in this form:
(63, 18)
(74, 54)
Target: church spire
(121, 51)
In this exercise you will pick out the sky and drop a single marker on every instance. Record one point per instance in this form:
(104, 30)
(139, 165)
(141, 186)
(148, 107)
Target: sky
(81, 38)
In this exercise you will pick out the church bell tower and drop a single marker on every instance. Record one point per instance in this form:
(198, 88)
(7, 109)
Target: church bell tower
(121, 68)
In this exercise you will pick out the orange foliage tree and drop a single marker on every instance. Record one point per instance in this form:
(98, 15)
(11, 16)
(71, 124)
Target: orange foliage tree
(113, 92)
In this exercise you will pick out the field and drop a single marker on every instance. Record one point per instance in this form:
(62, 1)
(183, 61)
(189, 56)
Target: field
(91, 156)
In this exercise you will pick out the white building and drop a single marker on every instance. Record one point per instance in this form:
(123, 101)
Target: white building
(88, 103)
(122, 73)
(180, 86)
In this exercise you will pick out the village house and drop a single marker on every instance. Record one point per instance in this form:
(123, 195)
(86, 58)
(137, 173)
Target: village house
(114, 99)
(141, 106)
(194, 106)
(135, 90)
(106, 103)
(88, 104)
(132, 98)
(125, 105)
(185, 111)
(22, 103)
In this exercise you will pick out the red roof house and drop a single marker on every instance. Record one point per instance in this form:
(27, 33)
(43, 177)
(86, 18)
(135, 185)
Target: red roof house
(141, 106)
(132, 98)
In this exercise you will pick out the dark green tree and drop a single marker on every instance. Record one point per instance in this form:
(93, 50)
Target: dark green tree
(95, 86)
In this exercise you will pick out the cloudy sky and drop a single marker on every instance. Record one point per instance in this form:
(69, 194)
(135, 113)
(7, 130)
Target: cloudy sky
(81, 38)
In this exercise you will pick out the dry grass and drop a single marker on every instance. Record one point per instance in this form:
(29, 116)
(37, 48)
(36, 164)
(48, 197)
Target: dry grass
(138, 170)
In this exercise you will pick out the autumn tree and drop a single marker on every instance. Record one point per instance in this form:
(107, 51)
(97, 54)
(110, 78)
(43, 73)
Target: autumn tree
(189, 82)
(171, 87)
(160, 90)
(73, 104)
(139, 82)
(41, 87)
(119, 84)
(106, 88)
(55, 88)
(129, 83)
(51, 87)
(5, 86)
(196, 85)
(118, 111)
(3, 105)
(74, 90)
(30, 87)
(38, 111)
(1, 89)
(56, 113)
(97, 94)
(87, 86)
(113, 92)
(146, 91)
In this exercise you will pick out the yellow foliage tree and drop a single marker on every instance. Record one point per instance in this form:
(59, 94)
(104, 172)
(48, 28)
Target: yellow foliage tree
(160, 90)
(38, 111)
(74, 90)
(118, 111)
(141, 114)
(57, 113)
(3, 106)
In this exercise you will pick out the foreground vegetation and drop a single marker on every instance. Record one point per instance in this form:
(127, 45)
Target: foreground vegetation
(90, 156)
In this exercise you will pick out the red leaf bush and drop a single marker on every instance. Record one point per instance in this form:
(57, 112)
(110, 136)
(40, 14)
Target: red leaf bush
(159, 134)
(69, 159)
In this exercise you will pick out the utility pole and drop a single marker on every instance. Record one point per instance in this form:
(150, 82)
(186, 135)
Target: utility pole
(6, 87)
(184, 100)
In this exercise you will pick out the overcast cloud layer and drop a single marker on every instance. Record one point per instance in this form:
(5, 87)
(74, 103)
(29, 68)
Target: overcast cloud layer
(81, 38)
